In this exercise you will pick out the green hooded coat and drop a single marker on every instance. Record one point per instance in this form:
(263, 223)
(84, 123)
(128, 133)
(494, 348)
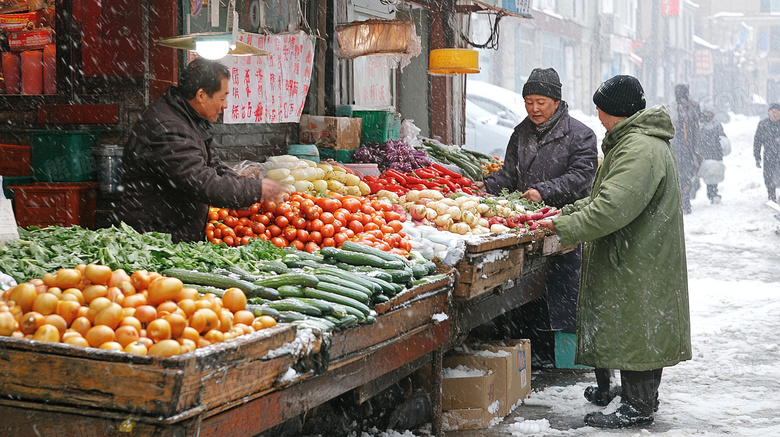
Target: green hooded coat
(632, 311)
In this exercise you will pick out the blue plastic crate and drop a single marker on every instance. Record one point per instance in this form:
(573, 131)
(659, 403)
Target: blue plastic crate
(565, 348)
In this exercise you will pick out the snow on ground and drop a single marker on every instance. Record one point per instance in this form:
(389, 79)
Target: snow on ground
(732, 384)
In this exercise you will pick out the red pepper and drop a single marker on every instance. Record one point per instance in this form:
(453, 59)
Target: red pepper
(416, 187)
(375, 187)
(552, 213)
(533, 225)
(466, 190)
(424, 173)
(452, 187)
(397, 176)
(428, 184)
(446, 171)
(544, 210)
(536, 216)
(370, 178)
(463, 182)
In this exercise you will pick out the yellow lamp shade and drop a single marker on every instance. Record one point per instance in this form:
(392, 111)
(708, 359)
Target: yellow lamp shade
(453, 61)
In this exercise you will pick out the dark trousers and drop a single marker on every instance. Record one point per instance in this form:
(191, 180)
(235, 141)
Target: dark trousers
(638, 388)
(712, 191)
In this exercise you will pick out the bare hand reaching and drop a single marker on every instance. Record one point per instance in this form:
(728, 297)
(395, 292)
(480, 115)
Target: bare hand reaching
(273, 191)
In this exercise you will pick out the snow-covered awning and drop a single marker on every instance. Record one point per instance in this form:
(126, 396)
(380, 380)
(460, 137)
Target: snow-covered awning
(702, 42)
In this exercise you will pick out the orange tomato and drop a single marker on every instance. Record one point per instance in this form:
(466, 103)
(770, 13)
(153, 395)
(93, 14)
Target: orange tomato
(99, 334)
(328, 231)
(290, 233)
(302, 235)
(315, 237)
(126, 334)
(328, 242)
(312, 247)
(297, 244)
(158, 329)
(81, 325)
(351, 204)
(396, 225)
(234, 299)
(279, 242)
(314, 225)
(340, 238)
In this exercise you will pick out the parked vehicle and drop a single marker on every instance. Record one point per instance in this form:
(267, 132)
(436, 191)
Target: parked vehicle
(484, 133)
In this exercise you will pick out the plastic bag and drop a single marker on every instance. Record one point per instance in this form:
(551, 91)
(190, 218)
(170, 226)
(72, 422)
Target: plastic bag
(712, 171)
(725, 145)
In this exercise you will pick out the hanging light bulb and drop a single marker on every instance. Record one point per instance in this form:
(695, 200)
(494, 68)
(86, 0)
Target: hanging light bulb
(212, 49)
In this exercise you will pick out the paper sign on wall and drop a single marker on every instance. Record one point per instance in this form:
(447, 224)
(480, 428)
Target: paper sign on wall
(273, 88)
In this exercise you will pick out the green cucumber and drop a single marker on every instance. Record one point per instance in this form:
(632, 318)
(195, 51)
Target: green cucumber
(361, 259)
(290, 291)
(389, 288)
(419, 270)
(292, 304)
(302, 254)
(302, 279)
(431, 266)
(323, 305)
(350, 277)
(203, 289)
(337, 299)
(263, 310)
(219, 281)
(290, 316)
(347, 321)
(243, 274)
(380, 298)
(344, 291)
(354, 246)
(346, 310)
(345, 283)
(315, 323)
(277, 267)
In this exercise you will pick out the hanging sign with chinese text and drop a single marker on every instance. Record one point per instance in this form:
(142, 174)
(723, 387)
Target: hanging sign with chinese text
(273, 88)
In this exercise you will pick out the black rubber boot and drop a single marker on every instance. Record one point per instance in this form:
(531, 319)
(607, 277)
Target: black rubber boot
(597, 397)
(624, 417)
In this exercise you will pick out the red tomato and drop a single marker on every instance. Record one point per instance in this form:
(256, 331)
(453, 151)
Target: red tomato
(311, 212)
(255, 208)
(268, 206)
(314, 225)
(214, 215)
(312, 247)
(340, 238)
(217, 233)
(338, 224)
(327, 217)
(281, 221)
(392, 215)
(245, 240)
(341, 215)
(370, 226)
(315, 237)
(396, 225)
(349, 232)
(351, 204)
(229, 240)
(328, 242)
(258, 228)
(275, 230)
(298, 244)
(298, 222)
(328, 231)
(386, 229)
(303, 235)
(290, 233)
(327, 204)
(230, 221)
(244, 221)
(367, 209)
(405, 244)
(222, 213)
(240, 230)
(282, 209)
(279, 242)
(264, 219)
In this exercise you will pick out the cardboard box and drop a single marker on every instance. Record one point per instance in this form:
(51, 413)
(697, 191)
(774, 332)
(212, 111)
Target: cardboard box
(510, 361)
(467, 418)
(466, 387)
(519, 375)
(336, 133)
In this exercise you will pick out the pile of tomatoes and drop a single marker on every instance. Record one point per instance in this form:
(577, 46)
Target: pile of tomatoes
(310, 223)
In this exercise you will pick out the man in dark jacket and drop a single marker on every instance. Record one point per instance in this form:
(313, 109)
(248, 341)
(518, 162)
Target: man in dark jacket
(686, 144)
(768, 138)
(550, 158)
(170, 172)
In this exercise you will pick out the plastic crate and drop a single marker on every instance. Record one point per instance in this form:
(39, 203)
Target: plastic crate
(55, 204)
(9, 181)
(379, 126)
(64, 156)
(343, 156)
(565, 348)
(15, 160)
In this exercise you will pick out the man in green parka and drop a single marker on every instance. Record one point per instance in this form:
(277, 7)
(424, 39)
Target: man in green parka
(632, 311)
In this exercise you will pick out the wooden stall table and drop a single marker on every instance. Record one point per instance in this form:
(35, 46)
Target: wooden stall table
(233, 388)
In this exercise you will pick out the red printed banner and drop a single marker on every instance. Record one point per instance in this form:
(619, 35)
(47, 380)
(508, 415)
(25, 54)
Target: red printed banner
(670, 7)
(273, 88)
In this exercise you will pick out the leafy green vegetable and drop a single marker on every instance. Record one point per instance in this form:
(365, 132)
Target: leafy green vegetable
(41, 250)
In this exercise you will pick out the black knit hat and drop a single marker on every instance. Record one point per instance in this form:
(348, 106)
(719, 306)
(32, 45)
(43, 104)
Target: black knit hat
(774, 106)
(544, 82)
(621, 96)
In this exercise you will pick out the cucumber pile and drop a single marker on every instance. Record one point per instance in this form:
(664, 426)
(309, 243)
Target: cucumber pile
(329, 290)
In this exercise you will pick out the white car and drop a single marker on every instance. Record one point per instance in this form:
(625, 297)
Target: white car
(483, 133)
(492, 112)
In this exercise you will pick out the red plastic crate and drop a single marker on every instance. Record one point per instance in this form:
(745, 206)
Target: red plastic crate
(56, 204)
(15, 160)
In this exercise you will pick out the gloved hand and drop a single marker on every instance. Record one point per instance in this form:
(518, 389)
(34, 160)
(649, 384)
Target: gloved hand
(758, 163)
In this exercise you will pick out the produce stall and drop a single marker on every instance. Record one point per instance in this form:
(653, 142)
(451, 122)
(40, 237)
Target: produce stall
(288, 305)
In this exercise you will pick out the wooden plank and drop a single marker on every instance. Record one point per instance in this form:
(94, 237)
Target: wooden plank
(276, 407)
(78, 114)
(376, 386)
(497, 241)
(145, 385)
(479, 273)
(389, 325)
(414, 292)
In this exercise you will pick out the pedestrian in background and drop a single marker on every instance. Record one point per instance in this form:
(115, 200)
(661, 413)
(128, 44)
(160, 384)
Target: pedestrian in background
(713, 147)
(632, 313)
(551, 158)
(686, 144)
(768, 139)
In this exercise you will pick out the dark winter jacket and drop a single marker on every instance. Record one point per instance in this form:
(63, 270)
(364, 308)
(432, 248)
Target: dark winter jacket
(687, 141)
(171, 175)
(560, 165)
(768, 139)
(711, 131)
(632, 312)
